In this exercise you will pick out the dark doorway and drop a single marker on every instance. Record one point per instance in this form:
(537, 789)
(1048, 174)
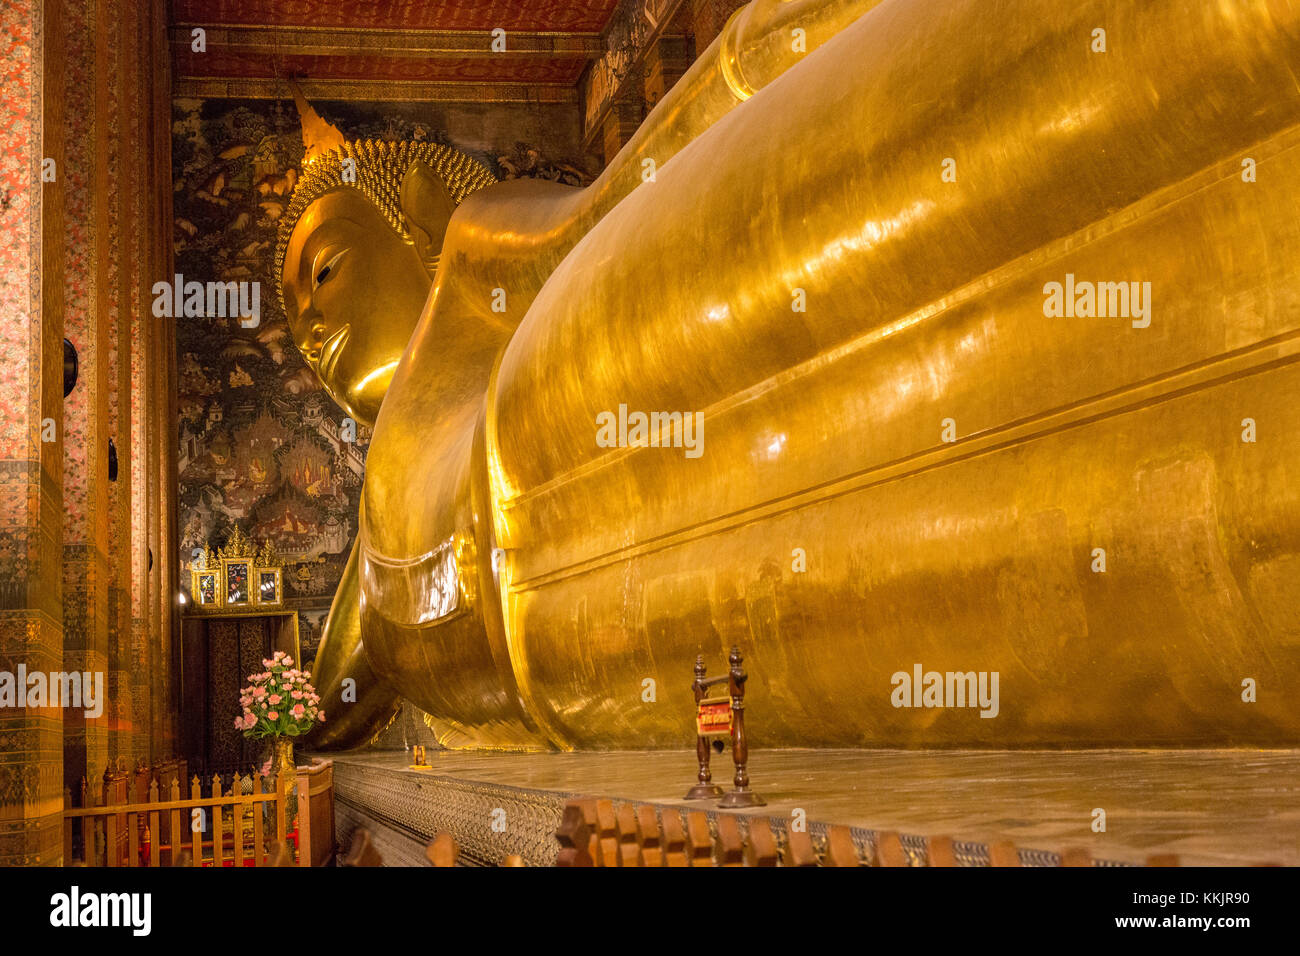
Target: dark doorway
(220, 653)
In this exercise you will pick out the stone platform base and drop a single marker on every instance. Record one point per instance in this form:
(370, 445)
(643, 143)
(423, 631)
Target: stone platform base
(1208, 807)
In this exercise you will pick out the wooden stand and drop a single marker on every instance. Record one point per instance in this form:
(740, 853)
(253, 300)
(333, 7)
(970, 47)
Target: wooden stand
(741, 796)
(705, 788)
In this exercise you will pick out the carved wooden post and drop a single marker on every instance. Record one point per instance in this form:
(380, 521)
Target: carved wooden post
(574, 837)
(196, 836)
(840, 850)
(647, 835)
(889, 850)
(237, 808)
(174, 824)
(741, 796)
(705, 788)
(218, 823)
(259, 827)
(760, 848)
(629, 854)
(303, 784)
(110, 821)
(699, 841)
(87, 827)
(1076, 856)
(941, 852)
(799, 849)
(589, 817)
(1003, 853)
(731, 844)
(674, 839)
(607, 831)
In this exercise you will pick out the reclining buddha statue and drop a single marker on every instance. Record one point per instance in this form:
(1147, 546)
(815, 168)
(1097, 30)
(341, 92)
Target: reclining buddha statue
(905, 344)
(363, 208)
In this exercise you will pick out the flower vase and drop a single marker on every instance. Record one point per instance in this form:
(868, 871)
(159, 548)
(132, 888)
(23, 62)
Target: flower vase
(282, 762)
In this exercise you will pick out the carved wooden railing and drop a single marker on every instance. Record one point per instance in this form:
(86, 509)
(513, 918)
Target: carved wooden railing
(238, 825)
(598, 833)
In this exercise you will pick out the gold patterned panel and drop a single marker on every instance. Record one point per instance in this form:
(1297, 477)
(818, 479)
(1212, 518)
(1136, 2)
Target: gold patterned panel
(224, 678)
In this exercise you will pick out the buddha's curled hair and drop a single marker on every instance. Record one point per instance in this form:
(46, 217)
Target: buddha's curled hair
(380, 167)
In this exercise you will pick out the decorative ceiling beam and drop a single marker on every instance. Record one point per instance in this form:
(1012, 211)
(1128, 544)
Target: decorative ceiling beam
(328, 41)
(209, 87)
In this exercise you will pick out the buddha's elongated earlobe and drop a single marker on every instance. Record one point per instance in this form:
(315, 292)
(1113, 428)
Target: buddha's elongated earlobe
(427, 206)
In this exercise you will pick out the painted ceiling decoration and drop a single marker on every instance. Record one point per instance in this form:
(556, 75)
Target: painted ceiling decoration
(436, 50)
(578, 16)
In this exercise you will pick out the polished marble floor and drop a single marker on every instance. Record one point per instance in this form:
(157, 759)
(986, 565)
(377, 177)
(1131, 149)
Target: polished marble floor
(1229, 807)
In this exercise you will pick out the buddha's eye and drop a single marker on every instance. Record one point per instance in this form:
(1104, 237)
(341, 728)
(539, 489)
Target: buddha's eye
(329, 268)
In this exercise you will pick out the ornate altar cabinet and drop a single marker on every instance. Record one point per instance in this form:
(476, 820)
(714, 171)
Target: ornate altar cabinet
(234, 618)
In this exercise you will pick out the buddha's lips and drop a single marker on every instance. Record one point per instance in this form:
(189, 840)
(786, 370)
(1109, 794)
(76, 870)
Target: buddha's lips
(330, 352)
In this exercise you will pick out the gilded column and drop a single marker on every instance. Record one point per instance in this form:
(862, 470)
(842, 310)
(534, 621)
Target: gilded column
(31, 427)
(155, 92)
(86, 435)
(115, 271)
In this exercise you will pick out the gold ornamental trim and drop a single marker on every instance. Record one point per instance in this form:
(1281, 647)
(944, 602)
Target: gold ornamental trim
(239, 578)
(207, 87)
(337, 41)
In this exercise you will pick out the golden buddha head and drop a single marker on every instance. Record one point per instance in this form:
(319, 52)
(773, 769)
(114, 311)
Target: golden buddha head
(358, 248)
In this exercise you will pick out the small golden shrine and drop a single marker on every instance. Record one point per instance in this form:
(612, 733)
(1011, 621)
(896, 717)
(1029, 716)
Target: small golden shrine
(240, 577)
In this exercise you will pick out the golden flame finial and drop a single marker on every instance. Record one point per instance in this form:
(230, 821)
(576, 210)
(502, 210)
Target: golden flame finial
(318, 136)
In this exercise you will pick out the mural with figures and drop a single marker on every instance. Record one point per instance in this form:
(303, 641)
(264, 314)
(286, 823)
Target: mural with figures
(261, 443)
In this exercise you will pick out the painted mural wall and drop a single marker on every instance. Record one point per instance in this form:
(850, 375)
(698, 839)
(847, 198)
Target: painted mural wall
(261, 445)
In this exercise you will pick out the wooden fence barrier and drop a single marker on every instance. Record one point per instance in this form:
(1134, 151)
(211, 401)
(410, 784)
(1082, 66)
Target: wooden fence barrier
(637, 836)
(229, 827)
(669, 837)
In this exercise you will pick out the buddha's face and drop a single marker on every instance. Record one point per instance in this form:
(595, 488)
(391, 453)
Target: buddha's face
(353, 291)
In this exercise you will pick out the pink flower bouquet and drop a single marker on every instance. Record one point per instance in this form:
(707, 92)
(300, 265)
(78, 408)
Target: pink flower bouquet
(279, 701)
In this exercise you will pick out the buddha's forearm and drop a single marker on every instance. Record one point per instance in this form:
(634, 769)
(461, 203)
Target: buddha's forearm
(357, 704)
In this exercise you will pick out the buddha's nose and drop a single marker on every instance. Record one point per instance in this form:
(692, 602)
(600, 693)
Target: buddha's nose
(311, 347)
